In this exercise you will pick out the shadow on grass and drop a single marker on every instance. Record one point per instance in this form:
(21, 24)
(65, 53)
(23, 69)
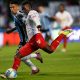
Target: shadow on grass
(58, 74)
(24, 75)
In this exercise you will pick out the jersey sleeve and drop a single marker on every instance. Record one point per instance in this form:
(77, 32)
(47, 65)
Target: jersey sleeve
(57, 14)
(70, 19)
(34, 16)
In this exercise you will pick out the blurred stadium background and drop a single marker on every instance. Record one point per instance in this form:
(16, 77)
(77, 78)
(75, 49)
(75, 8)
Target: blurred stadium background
(57, 66)
(51, 6)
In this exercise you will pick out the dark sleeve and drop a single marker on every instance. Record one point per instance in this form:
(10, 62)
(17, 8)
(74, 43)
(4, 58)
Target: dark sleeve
(10, 30)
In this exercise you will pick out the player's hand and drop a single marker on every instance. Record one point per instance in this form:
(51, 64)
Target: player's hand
(58, 20)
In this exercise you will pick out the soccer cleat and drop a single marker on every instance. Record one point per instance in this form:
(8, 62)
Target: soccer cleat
(35, 71)
(3, 76)
(66, 32)
(63, 50)
(39, 57)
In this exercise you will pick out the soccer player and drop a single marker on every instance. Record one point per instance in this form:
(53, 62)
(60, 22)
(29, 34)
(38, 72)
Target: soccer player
(36, 40)
(46, 23)
(20, 27)
(65, 21)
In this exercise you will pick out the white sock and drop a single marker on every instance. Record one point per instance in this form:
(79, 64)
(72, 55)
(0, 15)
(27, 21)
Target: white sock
(30, 64)
(29, 56)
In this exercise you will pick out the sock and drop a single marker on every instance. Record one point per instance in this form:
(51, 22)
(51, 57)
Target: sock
(65, 42)
(56, 42)
(33, 55)
(16, 63)
(30, 64)
(29, 56)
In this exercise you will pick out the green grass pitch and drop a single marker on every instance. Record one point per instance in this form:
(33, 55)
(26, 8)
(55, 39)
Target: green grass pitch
(57, 66)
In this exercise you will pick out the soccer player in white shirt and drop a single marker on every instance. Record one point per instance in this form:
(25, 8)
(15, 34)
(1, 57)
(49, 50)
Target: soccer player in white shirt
(65, 20)
(36, 39)
(14, 7)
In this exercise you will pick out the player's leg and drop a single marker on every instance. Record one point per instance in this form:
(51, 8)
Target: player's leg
(44, 34)
(35, 55)
(26, 61)
(31, 65)
(64, 44)
(41, 43)
(57, 41)
(65, 40)
(49, 49)
(24, 51)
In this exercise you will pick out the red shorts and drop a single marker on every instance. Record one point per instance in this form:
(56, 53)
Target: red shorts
(36, 42)
(66, 28)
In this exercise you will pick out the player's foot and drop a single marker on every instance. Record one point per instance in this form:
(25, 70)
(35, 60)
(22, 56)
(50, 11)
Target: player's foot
(39, 57)
(66, 32)
(3, 76)
(35, 71)
(63, 50)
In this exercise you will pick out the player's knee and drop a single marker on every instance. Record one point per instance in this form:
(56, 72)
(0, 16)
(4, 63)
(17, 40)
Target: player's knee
(50, 51)
(23, 59)
(18, 55)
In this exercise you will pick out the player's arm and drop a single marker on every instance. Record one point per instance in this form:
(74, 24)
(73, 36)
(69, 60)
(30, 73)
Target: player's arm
(36, 19)
(56, 17)
(10, 30)
(70, 19)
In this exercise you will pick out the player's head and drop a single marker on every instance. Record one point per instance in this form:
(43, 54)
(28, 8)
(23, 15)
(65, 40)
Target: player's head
(41, 8)
(26, 6)
(14, 6)
(61, 7)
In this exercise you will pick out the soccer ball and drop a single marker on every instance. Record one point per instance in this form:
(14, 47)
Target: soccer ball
(11, 73)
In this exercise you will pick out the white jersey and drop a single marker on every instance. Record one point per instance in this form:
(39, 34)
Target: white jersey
(65, 18)
(32, 20)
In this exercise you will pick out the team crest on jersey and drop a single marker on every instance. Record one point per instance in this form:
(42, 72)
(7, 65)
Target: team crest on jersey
(38, 41)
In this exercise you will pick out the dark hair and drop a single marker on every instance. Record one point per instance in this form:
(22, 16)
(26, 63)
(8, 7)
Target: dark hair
(26, 2)
(62, 5)
(14, 2)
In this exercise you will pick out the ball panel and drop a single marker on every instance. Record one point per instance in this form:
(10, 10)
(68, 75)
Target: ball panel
(11, 73)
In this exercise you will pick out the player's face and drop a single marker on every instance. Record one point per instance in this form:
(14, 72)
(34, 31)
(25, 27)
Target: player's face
(26, 8)
(14, 8)
(61, 8)
(41, 9)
